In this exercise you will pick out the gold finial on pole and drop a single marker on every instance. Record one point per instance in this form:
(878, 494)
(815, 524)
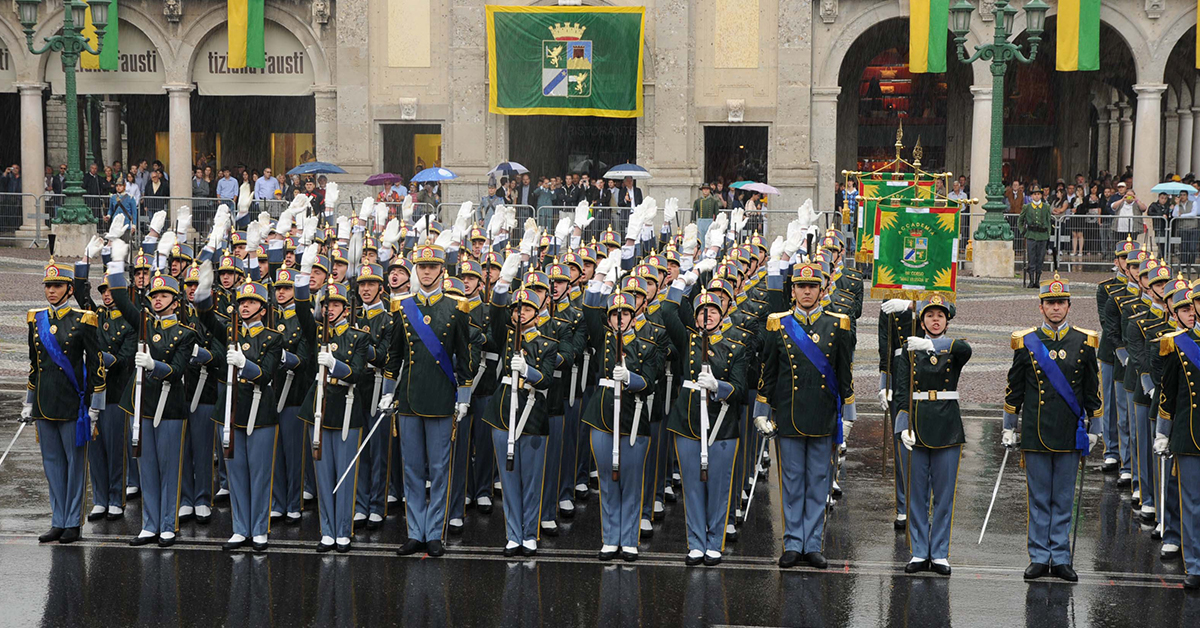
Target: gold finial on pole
(899, 139)
(918, 152)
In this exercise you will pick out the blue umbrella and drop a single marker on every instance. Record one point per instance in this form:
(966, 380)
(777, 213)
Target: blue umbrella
(316, 167)
(737, 185)
(1173, 187)
(633, 171)
(433, 174)
(508, 169)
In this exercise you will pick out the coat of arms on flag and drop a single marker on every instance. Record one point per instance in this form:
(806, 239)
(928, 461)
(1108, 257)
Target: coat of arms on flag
(916, 249)
(567, 62)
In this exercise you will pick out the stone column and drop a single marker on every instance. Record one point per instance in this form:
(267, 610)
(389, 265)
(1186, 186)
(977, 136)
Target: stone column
(1169, 151)
(1194, 167)
(1102, 132)
(354, 128)
(824, 143)
(1183, 161)
(464, 145)
(1114, 137)
(1126, 154)
(325, 97)
(179, 110)
(33, 159)
(790, 156)
(1146, 171)
(981, 146)
(112, 131)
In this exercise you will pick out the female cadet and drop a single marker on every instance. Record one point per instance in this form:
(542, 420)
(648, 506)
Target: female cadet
(931, 429)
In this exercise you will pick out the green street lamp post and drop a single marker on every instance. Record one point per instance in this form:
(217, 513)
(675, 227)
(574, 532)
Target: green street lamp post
(70, 43)
(1000, 52)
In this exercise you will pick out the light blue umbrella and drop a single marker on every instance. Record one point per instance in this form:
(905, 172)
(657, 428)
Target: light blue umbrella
(737, 185)
(433, 174)
(632, 171)
(316, 167)
(1172, 187)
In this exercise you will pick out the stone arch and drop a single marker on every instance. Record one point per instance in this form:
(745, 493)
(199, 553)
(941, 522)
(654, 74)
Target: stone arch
(17, 50)
(149, 26)
(1143, 56)
(1179, 25)
(202, 29)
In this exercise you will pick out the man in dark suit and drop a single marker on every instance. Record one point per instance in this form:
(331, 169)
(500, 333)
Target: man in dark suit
(628, 196)
(525, 191)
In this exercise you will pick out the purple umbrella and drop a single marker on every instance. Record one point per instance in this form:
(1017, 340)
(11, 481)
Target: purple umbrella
(383, 178)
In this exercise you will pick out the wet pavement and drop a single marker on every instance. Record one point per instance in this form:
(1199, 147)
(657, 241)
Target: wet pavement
(101, 580)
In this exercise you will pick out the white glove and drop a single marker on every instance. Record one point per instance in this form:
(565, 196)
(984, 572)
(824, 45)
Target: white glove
(444, 239)
(706, 265)
(308, 260)
(385, 402)
(614, 270)
(916, 343)
(391, 233)
(300, 203)
(620, 373)
(1160, 444)
(117, 228)
(508, 270)
(707, 381)
(795, 238)
(309, 231)
(497, 222)
(563, 231)
(381, 214)
(529, 241)
(166, 243)
(264, 224)
(603, 266)
(419, 228)
(217, 233)
(253, 237)
(183, 222)
(716, 232)
(142, 359)
(1008, 438)
(846, 426)
(235, 357)
(26, 412)
(466, 214)
(462, 409)
(118, 249)
(583, 216)
(649, 210)
(406, 209)
(738, 220)
(670, 208)
(637, 218)
(883, 400)
(689, 278)
(690, 234)
(158, 220)
(284, 226)
(1092, 439)
(93, 247)
(908, 438)
(94, 417)
(518, 364)
(808, 217)
(510, 217)
(764, 426)
(366, 209)
(776, 252)
(891, 306)
(204, 282)
(343, 227)
(331, 196)
(326, 359)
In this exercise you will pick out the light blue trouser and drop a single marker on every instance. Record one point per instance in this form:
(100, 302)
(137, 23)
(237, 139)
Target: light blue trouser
(1188, 490)
(249, 474)
(1120, 403)
(1170, 510)
(106, 458)
(482, 472)
(806, 470)
(1109, 420)
(553, 455)
(459, 467)
(425, 444)
(523, 485)
(198, 458)
(702, 225)
(161, 471)
(1147, 462)
(336, 509)
(705, 504)
(1050, 480)
(620, 502)
(371, 496)
(569, 463)
(584, 459)
(286, 493)
(900, 456)
(651, 476)
(1129, 435)
(932, 477)
(64, 464)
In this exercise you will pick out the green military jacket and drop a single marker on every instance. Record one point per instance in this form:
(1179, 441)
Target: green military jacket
(170, 343)
(1035, 220)
(792, 386)
(643, 359)
(211, 368)
(297, 328)
(377, 322)
(422, 388)
(1106, 291)
(1178, 416)
(1142, 344)
(850, 281)
(349, 346)
(541, 352)
(705, 207)
(49, 389)
(937, 423)
(486, 371)
(264, 348)
(1120, 309)
(118, 340)
(727, 361)
(1047, 423)
(565, 326)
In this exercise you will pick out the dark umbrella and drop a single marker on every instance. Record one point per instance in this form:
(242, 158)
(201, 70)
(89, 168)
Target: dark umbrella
(383, 178)
(316, 167)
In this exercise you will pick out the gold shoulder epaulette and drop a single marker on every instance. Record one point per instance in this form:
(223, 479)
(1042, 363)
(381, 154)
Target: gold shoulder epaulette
(773, 323)
(462, 304)
(29, 318)
(88, 317)
(1166, 344)
(1018, 338)
(1093, 338)
(843, 320)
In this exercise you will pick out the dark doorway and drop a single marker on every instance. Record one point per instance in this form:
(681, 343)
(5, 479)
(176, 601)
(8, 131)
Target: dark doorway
(10, 134)
(558, 145)
(411, 148)
(258, 131)
(735, 153)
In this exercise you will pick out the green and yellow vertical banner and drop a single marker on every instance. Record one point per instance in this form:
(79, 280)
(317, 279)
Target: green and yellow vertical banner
(1078, 40)
(247, 43)
(927, 26)
(107, 59)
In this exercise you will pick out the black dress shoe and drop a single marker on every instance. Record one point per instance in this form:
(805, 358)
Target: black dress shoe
(259, 547)
(375, 525)
(456, 530)
(342, 548)
(525, 551)
(166, 542)
(645, 534)
(836, 492)
(135, 495)
(51, 535)
(1036, 570)
(628, 557)
(899, 524)
(435, 548)
(218, 498)
(287, 521)
(509, 552)
(732, 537)
(1192, 582)
(322, 548)
(603, 555)
(96, 516)
(70, 535)
(1147, 518)
(550, 531)
(484, 509)
(693, 561)
(581, 496)
(711, 561)
(203, 519)
(917, 566)
(789, 559)
(939, 569)
(671, 497)
(229, 546)
(1165, 555)
(816, 559)
(187, 518)
(1065, 572)
(1110, 467)
(410, 547)
(114, 516)
(1123, 482)
(139, 541)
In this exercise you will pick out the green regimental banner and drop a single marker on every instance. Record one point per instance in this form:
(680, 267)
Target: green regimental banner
(565, 61)
(916, 251)
(890, 186)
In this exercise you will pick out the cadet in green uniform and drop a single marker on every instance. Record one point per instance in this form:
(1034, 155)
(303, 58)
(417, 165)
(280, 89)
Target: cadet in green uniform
(1035, 221)
(295, 324)
(1183, 318)
(478, 292)
(896, 324)
(1141, 336)
(561, 322)
(1054, 386)
(1116, 441)
(568, 302)
(1120, 310)
(375, 318)
(931, 430)
(65, 396)
(806, 380)
(202, 377)
(342, 358)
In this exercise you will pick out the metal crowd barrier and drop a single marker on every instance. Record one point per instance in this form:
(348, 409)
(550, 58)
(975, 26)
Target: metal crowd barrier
(21, 212)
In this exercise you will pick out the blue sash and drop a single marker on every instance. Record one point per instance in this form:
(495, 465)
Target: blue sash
(1188, 347)
(83, 433)
(818, 359)
(429, 338)
(1060, 384)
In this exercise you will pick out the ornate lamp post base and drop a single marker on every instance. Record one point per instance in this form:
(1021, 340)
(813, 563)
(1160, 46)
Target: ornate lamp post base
(70, 240)
(993, 258)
